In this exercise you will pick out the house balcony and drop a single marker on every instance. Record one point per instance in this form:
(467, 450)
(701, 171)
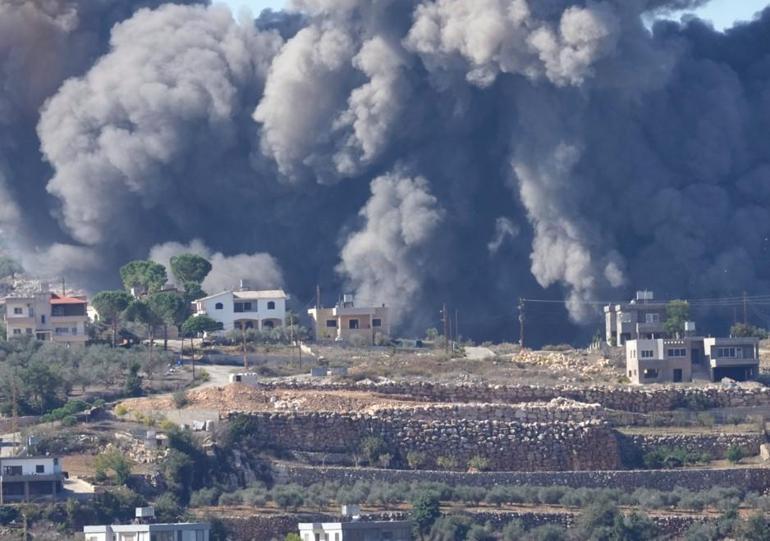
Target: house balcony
(643, 329)
(726, 362)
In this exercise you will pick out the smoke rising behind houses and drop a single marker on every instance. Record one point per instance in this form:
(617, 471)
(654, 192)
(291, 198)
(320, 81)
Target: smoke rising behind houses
(415, 152)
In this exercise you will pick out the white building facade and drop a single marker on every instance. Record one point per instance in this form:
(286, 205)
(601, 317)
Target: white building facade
(258, 310)
(397, 530)
(186, 531)
(30, 478)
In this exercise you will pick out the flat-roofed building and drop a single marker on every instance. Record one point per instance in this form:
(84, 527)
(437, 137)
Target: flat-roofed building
(397, 530)
(734, 358)
(659, 361)
(642, 317)
(348, 322)
(24, 479)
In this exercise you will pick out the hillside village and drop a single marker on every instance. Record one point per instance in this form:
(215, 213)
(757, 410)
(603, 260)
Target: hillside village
(232, 416)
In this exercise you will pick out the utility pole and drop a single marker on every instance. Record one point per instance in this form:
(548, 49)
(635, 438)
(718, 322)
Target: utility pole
(457, 324)
(521, 322)
(243, 348)
(445, 321)
(63, 288)
(745, 313)
(317, 298)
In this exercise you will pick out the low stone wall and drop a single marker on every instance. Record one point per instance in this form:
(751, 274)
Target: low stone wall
(508, 446)
(715, 445)
(697, 479)
(276, 527)
(624, 398)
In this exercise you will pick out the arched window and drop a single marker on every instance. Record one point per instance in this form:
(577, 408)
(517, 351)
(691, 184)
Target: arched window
(219, 306)
(271, 305)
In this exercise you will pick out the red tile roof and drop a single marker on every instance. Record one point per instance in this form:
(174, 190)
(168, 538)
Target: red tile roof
(58, 299)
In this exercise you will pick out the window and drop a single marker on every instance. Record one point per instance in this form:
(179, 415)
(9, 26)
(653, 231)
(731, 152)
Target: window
(42, 319)
(219, 306)
(29, 331)
(647, 354)
(677, 352)
(331, 323)
(39, 468)
(18, 311)
(238, 307)
(60, 331)
(650, 373)
(652, 318)
(17, 331)
(271, 305)
(376, 323)
(353, 324)
(12, 470)
(74, 331)
(247, 307)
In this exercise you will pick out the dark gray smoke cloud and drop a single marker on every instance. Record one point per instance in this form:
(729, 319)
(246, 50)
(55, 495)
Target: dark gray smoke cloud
(417, 152)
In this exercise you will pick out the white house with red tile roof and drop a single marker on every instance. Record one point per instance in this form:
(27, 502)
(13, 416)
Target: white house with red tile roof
(47, 316)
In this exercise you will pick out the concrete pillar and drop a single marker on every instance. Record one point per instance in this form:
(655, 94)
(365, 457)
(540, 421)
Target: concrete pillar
(26, 491)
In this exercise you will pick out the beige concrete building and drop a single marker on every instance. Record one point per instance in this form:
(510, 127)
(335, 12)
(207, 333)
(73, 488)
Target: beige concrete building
(640, 318)
(25, 479)
(47, 316)
(659, 360)
(346, 322)
(734, 358)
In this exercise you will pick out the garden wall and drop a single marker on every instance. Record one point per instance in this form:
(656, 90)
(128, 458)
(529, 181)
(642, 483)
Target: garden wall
(624, 398)
(507, 445)
(696, 479)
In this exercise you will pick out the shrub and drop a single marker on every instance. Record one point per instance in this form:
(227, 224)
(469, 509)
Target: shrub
(513, 531)
(425, 511)
(446, 463)
(288, 497)
(551, 495)
(451, 528)
(497, 496)
(471, 495)
(121, 410)
(292, 537)
(371, 448)
(734, 454)
(180, 399)
(548, 533)
(254, 496)
(478, 463)
(415, 459)
(230, 498)
(205, 497)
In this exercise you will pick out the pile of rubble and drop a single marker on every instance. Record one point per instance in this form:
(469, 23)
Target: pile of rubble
(573, 362)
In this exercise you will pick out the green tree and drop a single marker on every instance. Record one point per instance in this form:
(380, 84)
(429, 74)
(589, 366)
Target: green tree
(110, 306)
(292, 537)
(9, 267)
(133, 381)
(146, 276)
(140, 311)
(190, 268)
(195, 326)
(193, 292)
(425, 511)
(170, 308)
(114, 461)
(755, 528)
(677, 313)
(742, 330)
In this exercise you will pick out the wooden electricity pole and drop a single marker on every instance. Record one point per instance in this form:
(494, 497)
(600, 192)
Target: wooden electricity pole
(445, 320)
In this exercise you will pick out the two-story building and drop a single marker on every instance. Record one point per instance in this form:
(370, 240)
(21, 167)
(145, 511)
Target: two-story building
(396, 530)
(346, 321)
(672, 360)
(24, 479)
(145, 530)
(642, 317)
(659, 361)
(245, 309)
(47, 316)
(734, 358)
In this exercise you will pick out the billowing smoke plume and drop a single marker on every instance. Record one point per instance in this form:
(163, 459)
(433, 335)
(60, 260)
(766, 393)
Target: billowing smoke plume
(416, 151)
(259, 271)
(385, 259)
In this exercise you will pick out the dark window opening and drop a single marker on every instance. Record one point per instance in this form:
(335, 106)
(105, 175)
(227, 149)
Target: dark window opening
(271, 305)
(39, 468)
(219, 306)
(650, 373)
(331, 323)
(353, 324)
(376, 323)
(18, 311)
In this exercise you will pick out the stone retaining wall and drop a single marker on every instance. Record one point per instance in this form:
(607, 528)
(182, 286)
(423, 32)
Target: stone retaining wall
(715, 445)
(624, 398)
(276, 527)
(755, 479)
(508, 446)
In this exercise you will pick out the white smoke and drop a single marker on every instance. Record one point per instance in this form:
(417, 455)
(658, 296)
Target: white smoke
(259, 271)
(387, 260)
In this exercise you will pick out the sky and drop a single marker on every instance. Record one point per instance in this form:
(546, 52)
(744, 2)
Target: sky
(723, 13)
